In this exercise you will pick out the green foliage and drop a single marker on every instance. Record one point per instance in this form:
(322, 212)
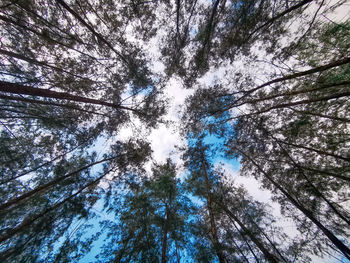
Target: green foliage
(75, 74)
(152, 212)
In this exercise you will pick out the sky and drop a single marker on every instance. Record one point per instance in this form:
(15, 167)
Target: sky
(165, 138)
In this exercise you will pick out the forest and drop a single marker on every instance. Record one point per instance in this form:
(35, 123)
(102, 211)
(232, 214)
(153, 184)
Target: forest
(174, 131)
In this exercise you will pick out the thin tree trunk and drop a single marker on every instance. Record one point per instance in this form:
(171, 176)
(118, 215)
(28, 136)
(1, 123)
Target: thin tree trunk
(45, 163)
(271, 258)
(28, 221)
(273, 19)
(91, 29)
(38, 33)
(245, 241)
(268, 239)
(317, 192)
(289, 104)
(339, 244)
(5, 97)
(51, 25)
(125, 242)
(165, 236)
(240, 250)
(209, 27)
(336, 156)
(251, 250)
(14, 88)
(36, 62)
(296, 75)
(46, 186)
(327, 173)
(293, 93)
(213, 229)
(303, 112)
(177, 253)
(177, 18)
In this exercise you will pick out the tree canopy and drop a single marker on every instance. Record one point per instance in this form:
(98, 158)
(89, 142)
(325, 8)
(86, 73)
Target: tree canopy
(269, 89)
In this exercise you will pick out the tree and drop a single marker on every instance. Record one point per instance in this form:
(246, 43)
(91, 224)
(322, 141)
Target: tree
(151, 219)
(212, 33)
(236, 226)
(61, 92)
(200, 182)
(250, 226)
(270, 80)
(32, 219)
(304, 161)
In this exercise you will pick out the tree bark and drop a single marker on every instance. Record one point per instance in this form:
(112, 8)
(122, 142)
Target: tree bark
(14, 88)
(28, 221)
(40, 63)
(296, 75)
(339, 244)
(271, 258)
(213, 229)
(44, 187)
(165, 236)
(92, 30)
(271, 20)
(5, 97)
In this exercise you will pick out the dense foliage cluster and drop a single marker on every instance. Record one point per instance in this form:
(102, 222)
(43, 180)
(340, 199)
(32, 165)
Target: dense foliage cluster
(270, 81)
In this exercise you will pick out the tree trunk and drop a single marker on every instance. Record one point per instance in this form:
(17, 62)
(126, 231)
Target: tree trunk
(321, 152)
(14, 88)
(213, 229)
(44, 187)
(36, 62)
(245, 240)
(271, 258)
(268, 239)
(270, 21)
(28, 221)
(91, 29)
(339, 244)
(177, 253)
(240, 250)
(42, 102)
(293, 93)
(165, 235)
(43, 164)
(125, 243)
(40, 34)
(297, 75)
(294, 103)
(178, 2)
(314, 188)
(303, 112)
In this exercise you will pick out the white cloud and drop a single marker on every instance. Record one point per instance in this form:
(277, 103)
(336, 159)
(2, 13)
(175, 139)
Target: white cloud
(251, 184)
(165, 138)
